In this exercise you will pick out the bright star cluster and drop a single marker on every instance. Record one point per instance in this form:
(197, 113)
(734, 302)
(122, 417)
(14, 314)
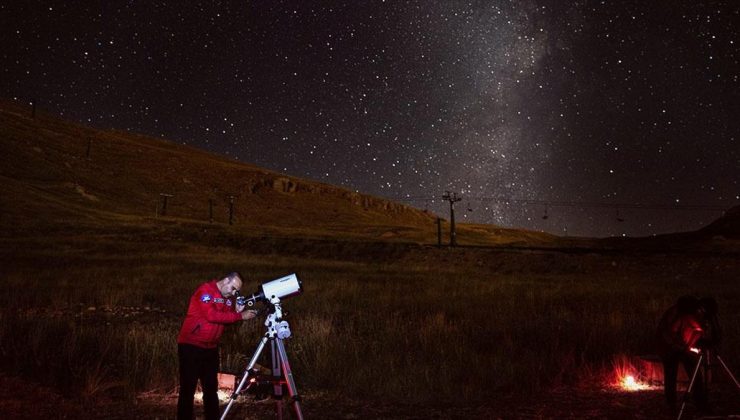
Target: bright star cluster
(574, 117)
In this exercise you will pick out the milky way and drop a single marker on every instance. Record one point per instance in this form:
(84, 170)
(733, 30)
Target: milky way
(583, 118)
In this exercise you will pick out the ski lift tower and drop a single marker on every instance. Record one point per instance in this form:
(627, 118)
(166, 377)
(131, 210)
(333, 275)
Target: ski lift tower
(452, 198)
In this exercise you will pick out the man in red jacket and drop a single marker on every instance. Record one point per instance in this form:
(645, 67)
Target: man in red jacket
(211, 308)
(680, 330)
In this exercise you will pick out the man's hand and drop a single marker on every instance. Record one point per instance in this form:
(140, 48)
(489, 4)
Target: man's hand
(249, 314)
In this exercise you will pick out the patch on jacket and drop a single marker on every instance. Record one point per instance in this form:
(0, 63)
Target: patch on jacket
(205, 298)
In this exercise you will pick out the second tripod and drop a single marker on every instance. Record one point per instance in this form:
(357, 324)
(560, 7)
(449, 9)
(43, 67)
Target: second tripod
(277, 330)
(703, 361)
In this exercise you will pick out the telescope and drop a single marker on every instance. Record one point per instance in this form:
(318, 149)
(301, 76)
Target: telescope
(281, 288)
(281, 380)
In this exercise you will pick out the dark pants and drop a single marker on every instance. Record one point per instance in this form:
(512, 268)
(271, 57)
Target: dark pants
(670, 374)
(197, 363)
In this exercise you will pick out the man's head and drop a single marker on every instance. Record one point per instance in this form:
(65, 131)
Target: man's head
(230, 284)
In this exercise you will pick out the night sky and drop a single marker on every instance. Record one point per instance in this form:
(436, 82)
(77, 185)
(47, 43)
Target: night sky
(609, 117)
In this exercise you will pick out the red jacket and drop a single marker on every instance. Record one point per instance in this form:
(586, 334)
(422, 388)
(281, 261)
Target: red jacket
(678, 333)
(208, 313)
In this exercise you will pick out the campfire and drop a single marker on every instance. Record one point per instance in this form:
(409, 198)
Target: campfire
(632, 374)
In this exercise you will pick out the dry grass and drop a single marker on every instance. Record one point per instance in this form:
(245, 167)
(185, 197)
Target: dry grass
(396, 328)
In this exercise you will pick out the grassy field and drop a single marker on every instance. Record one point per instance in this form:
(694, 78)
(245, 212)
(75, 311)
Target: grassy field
(97, 314)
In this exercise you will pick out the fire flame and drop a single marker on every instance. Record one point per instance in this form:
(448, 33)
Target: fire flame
(626, 376)
(629, 383)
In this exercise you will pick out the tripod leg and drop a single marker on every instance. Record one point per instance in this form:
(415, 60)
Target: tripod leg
(251, 364)
(289, 379)
(277, 389)
(728, 371)
(691, 386)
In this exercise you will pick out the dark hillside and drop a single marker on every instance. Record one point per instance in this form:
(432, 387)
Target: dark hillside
(57, 175)
(727, 226)
(51, 168)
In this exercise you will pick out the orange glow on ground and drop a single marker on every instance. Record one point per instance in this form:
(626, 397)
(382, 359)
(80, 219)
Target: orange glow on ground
(626, 376)
(223, 396)
(629, 383)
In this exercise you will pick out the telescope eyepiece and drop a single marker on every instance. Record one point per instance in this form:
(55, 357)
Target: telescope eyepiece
(244, 300)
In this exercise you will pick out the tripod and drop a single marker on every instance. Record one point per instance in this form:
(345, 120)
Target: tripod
(277, 330)
(704, 358)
